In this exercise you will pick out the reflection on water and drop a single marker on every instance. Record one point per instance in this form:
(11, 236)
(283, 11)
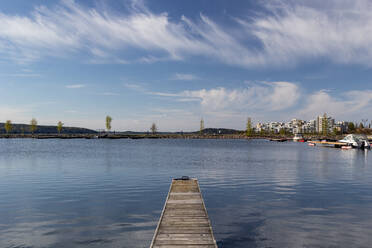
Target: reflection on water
(109, 193)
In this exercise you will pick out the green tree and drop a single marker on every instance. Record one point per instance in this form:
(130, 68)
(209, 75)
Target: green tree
(8, 126)
(59, 126)
(361, 126)
(335, 131)
(33, 125)
(325, 124)
(282, 131)
(153, 128)
(201, 126)
(350, 127)
(249, 127)
(108, 123)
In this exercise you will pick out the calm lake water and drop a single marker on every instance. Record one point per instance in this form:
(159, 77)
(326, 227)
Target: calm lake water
(110, 193)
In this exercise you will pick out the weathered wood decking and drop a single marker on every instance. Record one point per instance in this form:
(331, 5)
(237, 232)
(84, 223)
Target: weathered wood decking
(184, 221)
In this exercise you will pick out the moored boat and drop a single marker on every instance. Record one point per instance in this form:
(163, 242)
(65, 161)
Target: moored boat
(364, 140)
(356, 141)
(279, 140)
(298, 138)
(346, 147)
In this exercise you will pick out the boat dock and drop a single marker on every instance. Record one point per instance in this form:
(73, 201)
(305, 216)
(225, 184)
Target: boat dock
(329, 143)
(184, 220)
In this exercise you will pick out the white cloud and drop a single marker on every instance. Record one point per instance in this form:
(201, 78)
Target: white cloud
(220, 107)
(164, 94)
(134, 86)
(350, 105)
(271, 96)
(341, 32)
(75, 86)
(230, 107)
(272, 101)
(184, 77)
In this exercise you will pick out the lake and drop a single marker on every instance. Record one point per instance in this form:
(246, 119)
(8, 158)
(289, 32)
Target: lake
(110, 193)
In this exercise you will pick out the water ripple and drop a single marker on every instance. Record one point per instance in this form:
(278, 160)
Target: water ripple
(101, 193)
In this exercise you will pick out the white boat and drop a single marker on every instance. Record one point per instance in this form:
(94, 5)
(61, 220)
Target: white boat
(364, 139)
(356, 141)
(352, 140)
(298, 137)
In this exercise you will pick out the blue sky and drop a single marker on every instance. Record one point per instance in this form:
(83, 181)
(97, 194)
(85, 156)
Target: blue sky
(175, 62)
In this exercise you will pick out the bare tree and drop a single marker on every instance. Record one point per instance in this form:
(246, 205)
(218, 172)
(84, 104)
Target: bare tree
(364, 121)
(153, 128)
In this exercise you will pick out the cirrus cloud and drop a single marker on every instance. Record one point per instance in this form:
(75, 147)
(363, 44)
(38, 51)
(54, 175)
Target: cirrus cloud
(75, 86)
(266, 96)
(285, 35)
(184, 77)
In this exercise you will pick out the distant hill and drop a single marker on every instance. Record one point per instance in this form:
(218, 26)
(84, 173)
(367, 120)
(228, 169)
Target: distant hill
(205, 131)
(25, 129)
(41, 129)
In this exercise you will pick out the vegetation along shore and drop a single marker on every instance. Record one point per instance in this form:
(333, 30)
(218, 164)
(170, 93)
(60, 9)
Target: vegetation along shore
(33, 130)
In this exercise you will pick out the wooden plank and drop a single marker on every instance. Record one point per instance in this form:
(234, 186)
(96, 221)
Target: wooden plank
(184, 246)
(185, 230)
(184, 221)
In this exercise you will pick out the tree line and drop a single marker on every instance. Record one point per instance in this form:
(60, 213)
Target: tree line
(8, 126)
(33, 126)
(249, 131)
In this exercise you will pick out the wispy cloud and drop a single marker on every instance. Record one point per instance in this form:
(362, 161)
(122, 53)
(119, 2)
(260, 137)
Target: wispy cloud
(164, 94)
(135, 87)
(285, 35)
(273, 100)
(269, 96)
(339, 31)
(75, 86)
(184, 77)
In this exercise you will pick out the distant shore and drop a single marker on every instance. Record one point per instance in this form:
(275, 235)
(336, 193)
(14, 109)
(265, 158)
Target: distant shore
(163, 136)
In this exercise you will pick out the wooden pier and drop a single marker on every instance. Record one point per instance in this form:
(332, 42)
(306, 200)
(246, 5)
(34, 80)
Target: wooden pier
(184, 222)
(329, 143)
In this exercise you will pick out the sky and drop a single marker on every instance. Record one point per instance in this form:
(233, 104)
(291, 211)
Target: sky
(174, 62)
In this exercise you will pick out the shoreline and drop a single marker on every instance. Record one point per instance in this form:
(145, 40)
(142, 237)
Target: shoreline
(164, 136)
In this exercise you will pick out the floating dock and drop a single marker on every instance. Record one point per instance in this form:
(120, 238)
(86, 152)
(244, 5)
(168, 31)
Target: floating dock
(329, 143)
(184, 221)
